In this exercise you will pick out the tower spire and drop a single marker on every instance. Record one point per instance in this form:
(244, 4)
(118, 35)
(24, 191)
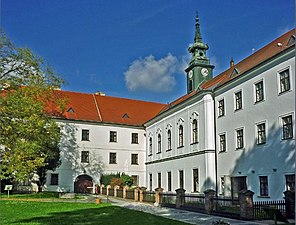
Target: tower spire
(197, 37)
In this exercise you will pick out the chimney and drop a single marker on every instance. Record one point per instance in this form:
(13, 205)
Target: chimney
(231, 62)
(100, 93)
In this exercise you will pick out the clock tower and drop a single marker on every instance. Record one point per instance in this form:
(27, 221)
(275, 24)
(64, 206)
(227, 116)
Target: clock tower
(199, 69)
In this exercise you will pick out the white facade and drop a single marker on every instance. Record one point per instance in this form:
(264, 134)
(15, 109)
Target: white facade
(182, 159)
(99, 148)
(274, 157)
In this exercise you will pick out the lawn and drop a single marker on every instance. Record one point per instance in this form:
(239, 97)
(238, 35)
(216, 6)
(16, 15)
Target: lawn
(59, 213)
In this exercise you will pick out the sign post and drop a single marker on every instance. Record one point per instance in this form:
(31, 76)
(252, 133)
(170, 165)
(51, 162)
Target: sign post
(8, 188)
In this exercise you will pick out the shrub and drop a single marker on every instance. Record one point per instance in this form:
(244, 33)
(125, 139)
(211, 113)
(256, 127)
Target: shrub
(106, 178)
(116, 181)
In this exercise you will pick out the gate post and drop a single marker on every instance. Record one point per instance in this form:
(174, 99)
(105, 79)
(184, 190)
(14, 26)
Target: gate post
(136, 195)
(116, 187)
(142, 190)
(180, 198)
(108, 189)
(209, 200)
(124, 191)
(101, 188)
(246, 204)
(158, 192)
(290, 204)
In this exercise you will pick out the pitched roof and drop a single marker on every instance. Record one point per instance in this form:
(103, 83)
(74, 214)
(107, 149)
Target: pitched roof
(106, 109)
(273, 48)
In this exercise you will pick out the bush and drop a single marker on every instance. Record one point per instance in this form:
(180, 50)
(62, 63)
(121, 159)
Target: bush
(127, 180)
(116, 181)
(106, 178)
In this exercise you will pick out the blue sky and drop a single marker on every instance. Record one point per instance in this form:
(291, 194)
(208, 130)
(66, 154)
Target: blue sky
(138, 49)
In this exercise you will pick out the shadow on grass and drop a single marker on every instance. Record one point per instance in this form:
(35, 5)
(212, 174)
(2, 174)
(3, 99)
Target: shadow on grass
(106, 215)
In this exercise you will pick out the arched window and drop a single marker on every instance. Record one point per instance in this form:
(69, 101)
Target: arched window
(169, 140)
(181, 136)
(150, 146)
(159, 143)
(194, 131)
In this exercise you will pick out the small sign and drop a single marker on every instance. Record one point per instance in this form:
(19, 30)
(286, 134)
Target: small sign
(8, 188)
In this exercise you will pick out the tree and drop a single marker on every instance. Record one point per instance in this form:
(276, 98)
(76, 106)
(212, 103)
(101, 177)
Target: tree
(29, 137)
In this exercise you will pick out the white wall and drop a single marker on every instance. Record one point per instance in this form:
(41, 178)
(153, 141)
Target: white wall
(99, 148)
(274, 159)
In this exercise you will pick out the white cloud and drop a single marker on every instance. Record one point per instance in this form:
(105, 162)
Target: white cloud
(153, 75)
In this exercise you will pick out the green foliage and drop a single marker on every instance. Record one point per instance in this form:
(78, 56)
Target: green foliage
(116, 179)
(29, 138)
(106, 178)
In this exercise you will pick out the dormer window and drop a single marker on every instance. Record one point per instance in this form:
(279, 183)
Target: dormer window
(125, 116)
(70, 110)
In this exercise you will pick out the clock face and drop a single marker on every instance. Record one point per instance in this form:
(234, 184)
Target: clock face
(204, 72)
(190, 74)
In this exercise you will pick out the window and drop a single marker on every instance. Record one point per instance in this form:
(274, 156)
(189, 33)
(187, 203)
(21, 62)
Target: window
(135, 139)
(259, 94)
(181, 136)
(169, 181)
(263, 185)
(159, 180)
(222, 185)
(194, 131)
(261, 134)
(222, 143)
(112, 158)
(159, 143)
(238, 100)
(113, 136)
(181, 179)
(284, 78)
(85, 156)
(169, 140)
(150, 181)
(150, 146)
(135, 159)
(221, 110)
(290, 182)
(85, 135)
(195, 180)
(239, 139)
(54, 179)
(287, 127)
(135, 180)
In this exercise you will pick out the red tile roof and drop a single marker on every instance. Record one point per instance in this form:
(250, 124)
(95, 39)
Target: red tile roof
(106, 109)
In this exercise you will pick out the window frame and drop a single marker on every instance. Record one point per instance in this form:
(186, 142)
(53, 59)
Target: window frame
(150, 146)
(112, 159)
(287, 80)
(222, 143)
(134, 159)
(259, 132)
(181, 179)
(259, 92)
(159, 143)
(263, 182)
(169, 139)
(240, 138)
(135, 138)
(113, 136)
(180, 136)
(287, 125)
(85, 135)
(159, 179)
(84, 156)
(194, 131)
(290, 182)
(221, 107)
(238, 100)
(169, 177)
(195, 184)
(54, 179)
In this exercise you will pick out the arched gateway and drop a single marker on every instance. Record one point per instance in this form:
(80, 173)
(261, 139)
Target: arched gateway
(83, 184)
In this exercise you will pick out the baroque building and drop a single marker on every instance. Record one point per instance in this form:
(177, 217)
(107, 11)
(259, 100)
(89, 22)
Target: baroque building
(230, 132)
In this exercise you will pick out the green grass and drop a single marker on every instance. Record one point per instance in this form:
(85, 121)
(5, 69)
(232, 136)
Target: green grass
(62, 213)
(33, 195)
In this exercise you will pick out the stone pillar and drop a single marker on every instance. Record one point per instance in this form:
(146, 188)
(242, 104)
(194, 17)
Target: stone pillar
(290, 203)
(209, 200)
(101, 188)
(180, 198)
(246, 204)
(136, 195)
(116, 187)
(124, 191)
(108, 188)
(158, 192)
(141, 193)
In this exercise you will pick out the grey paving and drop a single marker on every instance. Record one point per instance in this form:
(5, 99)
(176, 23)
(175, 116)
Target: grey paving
(176, 214)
